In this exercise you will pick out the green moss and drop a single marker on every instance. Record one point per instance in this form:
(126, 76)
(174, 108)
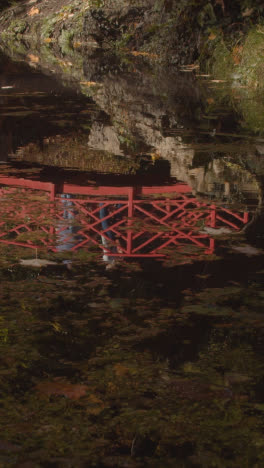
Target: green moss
(65, 41)
(252, 64)
(246, 64)
(17, 27)
(223, 65)
(96, 3)
(122, 43)
(14, 46)
(47, 27)
(252, 109)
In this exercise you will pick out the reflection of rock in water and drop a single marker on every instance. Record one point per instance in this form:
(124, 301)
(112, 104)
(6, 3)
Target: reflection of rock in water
(147, 109)
(145, 112)
(154, 108)
(104, 137)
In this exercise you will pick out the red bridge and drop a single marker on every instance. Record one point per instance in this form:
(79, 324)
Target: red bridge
(119, 221)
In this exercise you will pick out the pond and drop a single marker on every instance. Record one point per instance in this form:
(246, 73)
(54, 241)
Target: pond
(131, 266)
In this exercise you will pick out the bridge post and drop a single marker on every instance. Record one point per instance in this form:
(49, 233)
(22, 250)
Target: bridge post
(131, 194)
(213, 216)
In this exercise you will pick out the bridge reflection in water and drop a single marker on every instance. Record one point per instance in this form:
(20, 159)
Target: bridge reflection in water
(118, 221)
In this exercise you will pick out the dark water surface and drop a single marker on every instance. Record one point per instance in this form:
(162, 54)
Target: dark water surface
(131, 266)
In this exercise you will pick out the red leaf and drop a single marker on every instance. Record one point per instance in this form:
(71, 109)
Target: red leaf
(62, 387)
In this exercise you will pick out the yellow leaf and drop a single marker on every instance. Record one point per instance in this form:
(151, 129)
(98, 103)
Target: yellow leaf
(57, 327)
(33, 11)
(48, 40)
(33, 58)
(77, 44)
(154, 156)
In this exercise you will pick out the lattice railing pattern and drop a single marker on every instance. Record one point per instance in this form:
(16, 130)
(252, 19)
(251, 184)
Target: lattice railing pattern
(135, 223)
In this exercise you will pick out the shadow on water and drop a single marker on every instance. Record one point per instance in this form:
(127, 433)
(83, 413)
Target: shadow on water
(131, 269)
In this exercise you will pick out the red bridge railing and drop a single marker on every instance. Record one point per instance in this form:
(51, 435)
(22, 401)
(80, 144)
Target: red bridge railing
(119, 221)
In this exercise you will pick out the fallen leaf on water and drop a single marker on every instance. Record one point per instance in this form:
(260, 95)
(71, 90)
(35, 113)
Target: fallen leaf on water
(192, 66)
(33, 11)
(216, 231)
(212, 37)
(36, 262)
(95, 405)
(88, 83)
(77, 44)
(33, 58)
(120, 370)
(63, 388)
(247, 250)
(237, 54)
(143, 54)
(154, 156)
(247, 12)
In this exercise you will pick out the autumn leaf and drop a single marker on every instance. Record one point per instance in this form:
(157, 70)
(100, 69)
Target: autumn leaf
(33, 58)
(212, 36)
(88, 83)
(247, 12)
(191, 67)
(120, 370)
(63, 388)
(154, 156)
(33, 11)
(143, 54)
(237, 54)
(95, 405)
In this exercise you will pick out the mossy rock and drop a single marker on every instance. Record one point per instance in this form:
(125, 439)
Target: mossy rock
(223, 65)
(252, 63)
(17, 27)
(252, 109)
